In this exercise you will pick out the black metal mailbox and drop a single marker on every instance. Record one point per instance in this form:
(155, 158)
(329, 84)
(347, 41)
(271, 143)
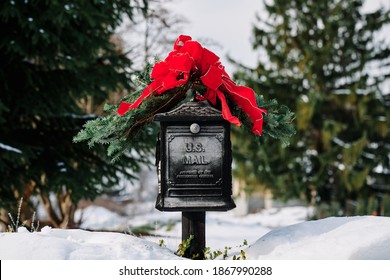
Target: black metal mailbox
(194, 159)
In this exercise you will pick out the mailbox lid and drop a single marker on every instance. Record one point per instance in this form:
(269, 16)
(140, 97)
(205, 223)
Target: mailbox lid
(191, 111)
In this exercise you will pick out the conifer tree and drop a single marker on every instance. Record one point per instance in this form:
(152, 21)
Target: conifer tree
(56, 56)
(321, 59)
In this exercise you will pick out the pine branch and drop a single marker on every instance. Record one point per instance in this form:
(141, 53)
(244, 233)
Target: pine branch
(121, 133)
(170, 100)
(277, 122)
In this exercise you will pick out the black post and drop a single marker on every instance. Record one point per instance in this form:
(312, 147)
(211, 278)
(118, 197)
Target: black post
(193, 223)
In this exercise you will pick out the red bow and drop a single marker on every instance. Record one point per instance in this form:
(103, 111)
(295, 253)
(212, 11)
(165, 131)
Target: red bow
(190, 59)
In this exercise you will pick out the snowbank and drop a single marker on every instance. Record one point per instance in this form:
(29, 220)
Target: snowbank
(343, 238)
(60, 244)
(363, 238)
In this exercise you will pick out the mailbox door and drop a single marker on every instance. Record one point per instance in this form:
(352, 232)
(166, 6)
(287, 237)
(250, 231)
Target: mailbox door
(195, 167)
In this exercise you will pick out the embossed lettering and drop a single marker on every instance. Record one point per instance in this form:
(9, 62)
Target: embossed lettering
(193, 174)
(189, 147)
(194, 148)
(194, 159)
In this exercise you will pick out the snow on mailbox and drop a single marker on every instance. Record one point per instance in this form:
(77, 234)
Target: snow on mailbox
(194, 159)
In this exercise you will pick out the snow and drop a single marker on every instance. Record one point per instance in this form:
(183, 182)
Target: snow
(363, 238)
(9, 148)
(277, 233)
(75, 244)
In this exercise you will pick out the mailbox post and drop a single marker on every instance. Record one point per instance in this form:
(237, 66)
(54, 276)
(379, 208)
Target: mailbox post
(193, 159)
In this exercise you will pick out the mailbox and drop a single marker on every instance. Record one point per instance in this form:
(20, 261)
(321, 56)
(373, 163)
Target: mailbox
(193, 159)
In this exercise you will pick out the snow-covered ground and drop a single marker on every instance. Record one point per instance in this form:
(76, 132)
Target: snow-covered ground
(278, 233)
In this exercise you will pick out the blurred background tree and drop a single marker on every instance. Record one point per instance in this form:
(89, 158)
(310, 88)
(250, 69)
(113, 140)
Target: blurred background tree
(150, 35)
(324, 60)
(59, 62)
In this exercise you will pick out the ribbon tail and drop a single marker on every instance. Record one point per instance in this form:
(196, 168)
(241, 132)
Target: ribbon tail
(226, 114)
(246, 100)
(124, 107)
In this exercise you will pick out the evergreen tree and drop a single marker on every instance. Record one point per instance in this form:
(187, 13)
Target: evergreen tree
(321, 59)
(56, 56)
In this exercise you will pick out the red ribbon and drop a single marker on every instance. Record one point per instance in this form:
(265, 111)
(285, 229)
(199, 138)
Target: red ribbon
(189, 59)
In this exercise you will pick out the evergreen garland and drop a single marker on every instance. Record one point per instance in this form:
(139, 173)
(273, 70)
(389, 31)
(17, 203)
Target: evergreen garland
(278, 122)
(122, 132)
